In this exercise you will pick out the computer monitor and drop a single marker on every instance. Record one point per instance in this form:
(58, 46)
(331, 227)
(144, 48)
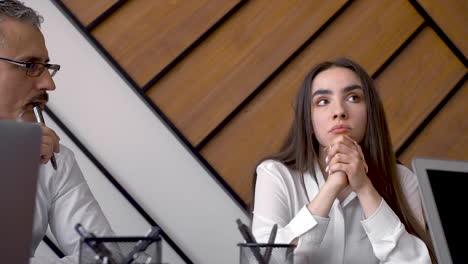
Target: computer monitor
(19, 163)
(443, 186)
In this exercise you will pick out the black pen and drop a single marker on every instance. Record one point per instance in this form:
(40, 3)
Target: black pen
(39, 118)
(271, 240)
(249, 238)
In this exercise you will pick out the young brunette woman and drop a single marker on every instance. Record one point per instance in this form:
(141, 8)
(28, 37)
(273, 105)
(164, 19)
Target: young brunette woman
(335, 189)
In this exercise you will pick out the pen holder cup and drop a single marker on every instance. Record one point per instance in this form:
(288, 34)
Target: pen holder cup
(125, 250)
(251, 253)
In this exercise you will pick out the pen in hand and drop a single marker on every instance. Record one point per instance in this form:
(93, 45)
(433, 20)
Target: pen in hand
(40, 119)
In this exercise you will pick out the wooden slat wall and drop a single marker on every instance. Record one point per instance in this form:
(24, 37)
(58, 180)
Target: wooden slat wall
(360, 32)
(452, 17)
(446, 136)
(230, 65)
(145, 36)
(405, 108)
(230, 97)
(88, 10)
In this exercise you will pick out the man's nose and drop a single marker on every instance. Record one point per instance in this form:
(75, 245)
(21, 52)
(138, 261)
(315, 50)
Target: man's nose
(45, 81)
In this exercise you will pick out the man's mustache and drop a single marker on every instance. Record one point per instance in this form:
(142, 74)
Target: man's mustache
(43, 96)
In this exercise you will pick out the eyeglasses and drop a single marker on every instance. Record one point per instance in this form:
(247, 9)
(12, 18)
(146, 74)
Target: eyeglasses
(35, 69)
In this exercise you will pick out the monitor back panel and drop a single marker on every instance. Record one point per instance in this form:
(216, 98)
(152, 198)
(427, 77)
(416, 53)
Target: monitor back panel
(19, 163)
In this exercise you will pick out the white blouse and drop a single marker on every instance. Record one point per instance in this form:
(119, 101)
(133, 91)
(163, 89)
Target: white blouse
(343, 237)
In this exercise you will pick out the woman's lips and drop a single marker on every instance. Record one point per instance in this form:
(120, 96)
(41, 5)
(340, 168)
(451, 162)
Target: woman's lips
(340, 129)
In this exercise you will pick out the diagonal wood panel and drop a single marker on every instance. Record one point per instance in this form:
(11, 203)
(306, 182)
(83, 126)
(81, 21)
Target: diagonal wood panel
(416, 81)
(452, 17)
(145, 36)
(446, 135)
(368, 31)
(221, 73)
(230, 64)
(88, 10)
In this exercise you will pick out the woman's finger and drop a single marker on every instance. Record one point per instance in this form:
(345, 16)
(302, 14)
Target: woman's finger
(359, 149)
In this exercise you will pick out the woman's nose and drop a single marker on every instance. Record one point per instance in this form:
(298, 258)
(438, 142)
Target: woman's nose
(339, 111)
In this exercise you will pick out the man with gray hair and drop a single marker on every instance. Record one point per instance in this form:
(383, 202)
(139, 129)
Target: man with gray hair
(63, 198)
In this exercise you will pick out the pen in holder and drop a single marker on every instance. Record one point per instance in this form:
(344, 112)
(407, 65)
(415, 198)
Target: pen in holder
(263, 253)
(121, 250)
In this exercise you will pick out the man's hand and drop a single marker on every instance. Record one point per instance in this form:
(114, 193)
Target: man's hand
(50, 143)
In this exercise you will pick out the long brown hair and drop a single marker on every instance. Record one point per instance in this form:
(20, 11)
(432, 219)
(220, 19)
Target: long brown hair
(300, 148)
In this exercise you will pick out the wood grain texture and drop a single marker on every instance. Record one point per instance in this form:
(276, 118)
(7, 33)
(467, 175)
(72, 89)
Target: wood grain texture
(416, 81)
(145, 36)
(368, 32)
(452, 17)
(210, 83)
(446, 135)
(88, 10)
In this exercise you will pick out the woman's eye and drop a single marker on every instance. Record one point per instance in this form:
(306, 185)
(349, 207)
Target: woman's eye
(322, 102)
(354, 98)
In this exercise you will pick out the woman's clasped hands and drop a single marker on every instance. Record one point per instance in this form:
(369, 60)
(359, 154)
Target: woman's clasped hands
(345, 164)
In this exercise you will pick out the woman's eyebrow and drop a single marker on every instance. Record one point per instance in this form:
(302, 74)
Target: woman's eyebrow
(345, 90)
(351, 87)
(321, 91)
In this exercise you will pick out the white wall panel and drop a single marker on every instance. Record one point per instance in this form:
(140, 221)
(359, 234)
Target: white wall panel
(123, 217)
(137, 149)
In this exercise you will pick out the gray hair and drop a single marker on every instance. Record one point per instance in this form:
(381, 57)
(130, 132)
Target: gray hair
(17, 10)
(13, 9)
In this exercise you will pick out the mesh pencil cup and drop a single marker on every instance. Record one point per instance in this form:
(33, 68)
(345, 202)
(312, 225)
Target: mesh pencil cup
(251, 253)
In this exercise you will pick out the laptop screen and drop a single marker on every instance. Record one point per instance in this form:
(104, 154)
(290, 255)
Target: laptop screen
(442, 185)
(449, 190)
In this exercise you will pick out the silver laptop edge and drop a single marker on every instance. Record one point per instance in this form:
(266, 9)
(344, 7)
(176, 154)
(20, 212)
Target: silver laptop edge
(420, 166)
